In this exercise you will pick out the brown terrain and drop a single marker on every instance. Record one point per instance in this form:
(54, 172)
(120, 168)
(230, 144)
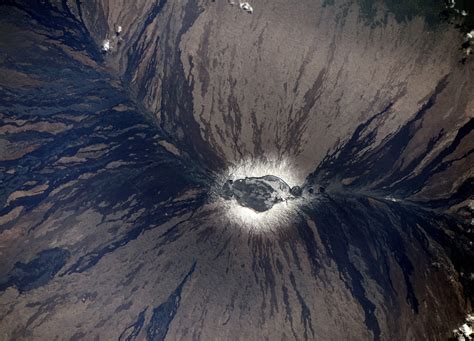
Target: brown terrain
(111, 224)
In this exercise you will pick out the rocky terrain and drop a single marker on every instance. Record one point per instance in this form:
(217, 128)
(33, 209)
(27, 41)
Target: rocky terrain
(122, 121)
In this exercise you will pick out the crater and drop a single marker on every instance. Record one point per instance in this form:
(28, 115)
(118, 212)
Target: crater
(259, 193)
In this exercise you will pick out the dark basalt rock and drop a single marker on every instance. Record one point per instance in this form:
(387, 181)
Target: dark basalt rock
(259, 193)
(37, 272)
(296, 191)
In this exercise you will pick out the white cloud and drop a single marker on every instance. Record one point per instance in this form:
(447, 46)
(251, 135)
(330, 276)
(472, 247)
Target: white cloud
(106, 47)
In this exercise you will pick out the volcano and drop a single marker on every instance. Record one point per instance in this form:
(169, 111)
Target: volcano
(214, 170)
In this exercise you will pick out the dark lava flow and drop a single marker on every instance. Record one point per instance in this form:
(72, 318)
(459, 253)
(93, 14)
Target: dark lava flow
(108, 229)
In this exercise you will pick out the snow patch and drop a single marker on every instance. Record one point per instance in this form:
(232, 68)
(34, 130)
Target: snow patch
(281, 214)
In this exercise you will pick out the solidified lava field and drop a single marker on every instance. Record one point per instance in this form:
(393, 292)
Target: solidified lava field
(188, 170)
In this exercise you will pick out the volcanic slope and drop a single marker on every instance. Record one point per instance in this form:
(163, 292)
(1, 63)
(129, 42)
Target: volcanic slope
(111, 226)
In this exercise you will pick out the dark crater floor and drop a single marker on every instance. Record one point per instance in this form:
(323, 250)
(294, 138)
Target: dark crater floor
(259, 193)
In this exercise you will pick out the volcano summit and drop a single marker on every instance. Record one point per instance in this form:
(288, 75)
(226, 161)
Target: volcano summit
(260, 194)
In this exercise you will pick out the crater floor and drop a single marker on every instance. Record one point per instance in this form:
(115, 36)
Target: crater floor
(259, 193)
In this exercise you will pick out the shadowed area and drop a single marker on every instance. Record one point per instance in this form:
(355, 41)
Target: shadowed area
(301, 172)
